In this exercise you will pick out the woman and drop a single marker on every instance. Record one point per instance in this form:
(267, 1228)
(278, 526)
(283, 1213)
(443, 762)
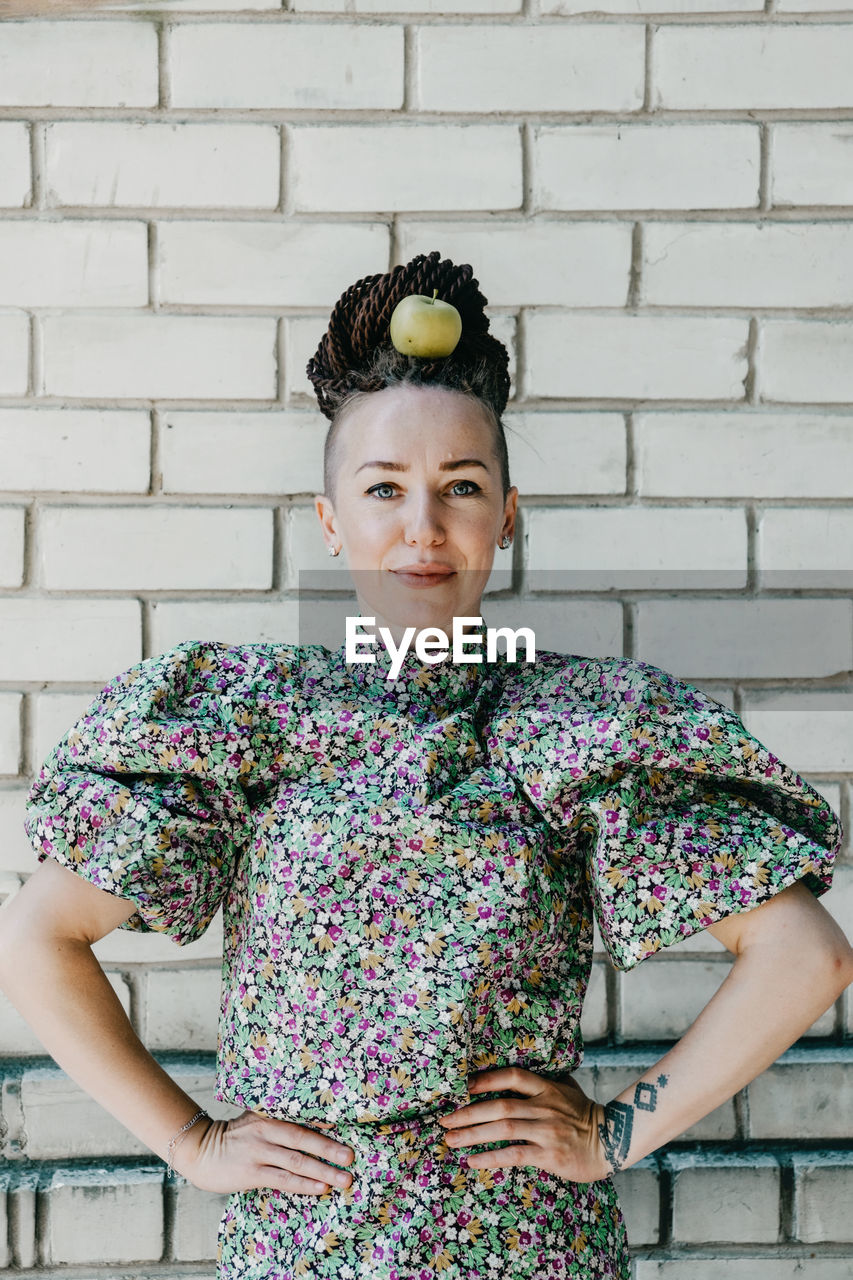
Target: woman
(408, 870)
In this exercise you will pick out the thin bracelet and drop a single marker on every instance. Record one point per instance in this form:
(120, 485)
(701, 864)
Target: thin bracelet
(171, 1147)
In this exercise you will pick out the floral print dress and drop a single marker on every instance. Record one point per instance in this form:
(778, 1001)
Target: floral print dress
(408, 871)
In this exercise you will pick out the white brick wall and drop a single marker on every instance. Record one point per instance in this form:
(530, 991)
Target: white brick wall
(78, 64)
(209, 165)
(656, 203)
(647, 166)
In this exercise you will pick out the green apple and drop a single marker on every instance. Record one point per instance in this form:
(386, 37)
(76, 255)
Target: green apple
(422, 326)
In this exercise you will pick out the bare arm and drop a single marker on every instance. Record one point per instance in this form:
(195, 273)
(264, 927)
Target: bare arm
(51, 975)
(792, 962)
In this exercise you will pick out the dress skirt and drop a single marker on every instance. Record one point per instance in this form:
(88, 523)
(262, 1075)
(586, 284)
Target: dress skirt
(416, 1210)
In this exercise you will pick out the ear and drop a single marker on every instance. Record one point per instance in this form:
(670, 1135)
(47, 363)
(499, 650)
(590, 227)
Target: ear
(326, 513)
(510, 512)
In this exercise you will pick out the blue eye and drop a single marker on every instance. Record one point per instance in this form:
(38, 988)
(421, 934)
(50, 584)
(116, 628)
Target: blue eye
(475, 488)
(382, 485)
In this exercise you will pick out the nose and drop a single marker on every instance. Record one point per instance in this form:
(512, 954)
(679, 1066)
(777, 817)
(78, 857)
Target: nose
(423, 521)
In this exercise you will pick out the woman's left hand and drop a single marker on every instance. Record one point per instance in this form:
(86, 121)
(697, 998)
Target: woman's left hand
(553, 1125)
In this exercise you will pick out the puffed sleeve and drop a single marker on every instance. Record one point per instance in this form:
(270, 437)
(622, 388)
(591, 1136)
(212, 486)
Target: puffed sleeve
(679, 815)
(145, 796)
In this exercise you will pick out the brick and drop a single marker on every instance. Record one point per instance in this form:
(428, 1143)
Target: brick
(14, 164)
(265, 264)
(85, 640)
(590, 627)
(322, 67)
(231, 622)
(108, 163)
(156, 548)
(750, 66)
(62, 1121)
(744, 1268)
(641, 166)
(83, 450)
(725, 1197)
(800, 547)
(74, 263)
(648, 6)
(640, 547)
(638, 1189)
(5, 1253)
(750, 454)
(542, 67)
(78, 64)
(823, 1193)
(182, 1009)
(159, 356)
(638, 356)
(806, 360)
(595, 1023)
(583, 264)
(197, 1217)
(125, 946)
(745, 638)
(22, 1202)
(15, 346)
(660, 1001)
(229, 453)
(10, 732)
(437, 7)
(11, 546)
(807, 1093)
(190, 6)
(17, 1036)
(16, 854)
(838, 900)
(104, 1214)
(543, 448)
(810, 163)
(53, 715)
(350, 168)
(746, 265)
(813, 729)
(615, 1070)
(468, 7)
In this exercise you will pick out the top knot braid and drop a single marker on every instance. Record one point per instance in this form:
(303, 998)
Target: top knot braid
(356, 353)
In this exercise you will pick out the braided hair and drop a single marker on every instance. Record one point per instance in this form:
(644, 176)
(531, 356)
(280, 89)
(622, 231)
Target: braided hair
(356, 355)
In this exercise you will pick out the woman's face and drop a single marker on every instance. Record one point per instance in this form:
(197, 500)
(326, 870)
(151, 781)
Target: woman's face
(419, 508)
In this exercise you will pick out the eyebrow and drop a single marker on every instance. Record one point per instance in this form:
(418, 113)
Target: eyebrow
(455, 465)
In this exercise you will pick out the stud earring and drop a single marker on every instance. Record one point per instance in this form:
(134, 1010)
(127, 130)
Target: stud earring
(506, 541)
(333, 551)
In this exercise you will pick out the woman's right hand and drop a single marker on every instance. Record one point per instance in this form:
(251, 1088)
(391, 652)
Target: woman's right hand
(253, 1150)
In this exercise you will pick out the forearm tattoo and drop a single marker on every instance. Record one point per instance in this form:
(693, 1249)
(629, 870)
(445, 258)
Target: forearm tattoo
(615, 1131)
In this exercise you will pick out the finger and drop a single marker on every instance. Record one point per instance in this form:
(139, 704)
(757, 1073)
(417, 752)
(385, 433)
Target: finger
(517, 1078)
(491, 1109)
(284, 1133)
(308, 1167)
(505, 1130)
(285, 1180)
(504, 1158)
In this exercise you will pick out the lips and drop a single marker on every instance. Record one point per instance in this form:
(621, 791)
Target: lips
(424, 575)
(430, 569)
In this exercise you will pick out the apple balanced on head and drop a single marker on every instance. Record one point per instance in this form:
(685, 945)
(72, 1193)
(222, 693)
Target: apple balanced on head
(427, 327)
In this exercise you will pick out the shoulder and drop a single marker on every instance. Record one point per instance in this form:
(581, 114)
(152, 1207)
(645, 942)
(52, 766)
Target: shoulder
(195, 675)
(621, 682)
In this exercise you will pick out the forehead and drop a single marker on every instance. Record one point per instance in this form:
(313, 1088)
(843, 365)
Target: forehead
(416, 422)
